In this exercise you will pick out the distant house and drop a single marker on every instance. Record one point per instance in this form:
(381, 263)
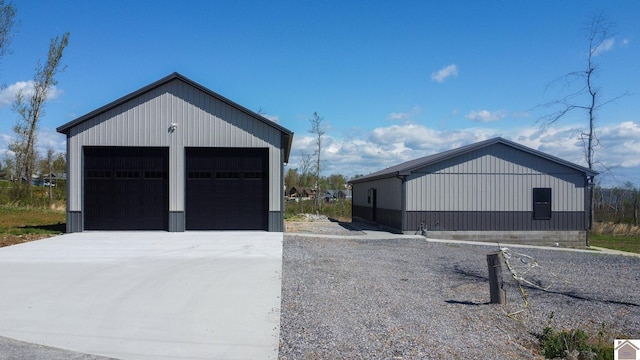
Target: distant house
(301, 193)
(331, 195)
(292, 192)
(494, 190)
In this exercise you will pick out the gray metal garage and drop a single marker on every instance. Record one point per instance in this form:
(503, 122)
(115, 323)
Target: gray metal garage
(493, 190)
(175, 156)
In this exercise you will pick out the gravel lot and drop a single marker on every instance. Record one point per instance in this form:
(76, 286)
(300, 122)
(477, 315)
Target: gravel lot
(402, 298)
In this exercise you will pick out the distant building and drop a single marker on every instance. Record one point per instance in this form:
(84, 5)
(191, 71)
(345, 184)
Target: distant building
(494, 190)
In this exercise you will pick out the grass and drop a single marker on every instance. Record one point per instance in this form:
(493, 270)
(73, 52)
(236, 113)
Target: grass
(20, 224)
(616, 242)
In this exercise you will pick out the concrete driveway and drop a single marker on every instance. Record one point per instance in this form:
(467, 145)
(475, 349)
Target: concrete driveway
(146, 295)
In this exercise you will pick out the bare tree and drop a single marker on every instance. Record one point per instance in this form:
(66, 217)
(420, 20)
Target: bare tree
(30, 108)
(305, 166)
(587, 98)
(7, 22)
(46, 168)
(318, 132)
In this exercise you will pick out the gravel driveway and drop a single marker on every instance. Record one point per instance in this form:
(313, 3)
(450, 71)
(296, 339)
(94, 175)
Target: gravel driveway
(402, 298)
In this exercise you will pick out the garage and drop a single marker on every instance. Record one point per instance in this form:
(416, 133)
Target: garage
(175, 156)
(226, 189)
(126, 188)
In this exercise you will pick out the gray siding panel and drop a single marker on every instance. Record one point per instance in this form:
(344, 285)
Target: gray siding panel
(389, 218)
(389, 193)
(276, 221)
(74, 221)
(493, 221)
(176, 221)
(497, 178)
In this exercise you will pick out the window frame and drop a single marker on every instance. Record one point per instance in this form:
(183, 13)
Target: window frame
(542, 201)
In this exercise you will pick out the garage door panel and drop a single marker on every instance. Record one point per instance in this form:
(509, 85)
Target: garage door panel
(126, 188)
(226, 189)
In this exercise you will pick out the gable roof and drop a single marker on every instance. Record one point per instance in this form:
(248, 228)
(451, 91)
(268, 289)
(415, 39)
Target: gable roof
(407, 167)
(287, 134)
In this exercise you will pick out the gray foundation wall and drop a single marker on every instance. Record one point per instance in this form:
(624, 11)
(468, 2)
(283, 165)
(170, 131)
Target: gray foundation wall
(573, 239)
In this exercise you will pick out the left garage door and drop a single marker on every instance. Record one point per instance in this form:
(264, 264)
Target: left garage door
(126, 188)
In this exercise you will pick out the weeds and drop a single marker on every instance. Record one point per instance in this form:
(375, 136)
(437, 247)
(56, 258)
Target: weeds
(339, 210)
(576, 343)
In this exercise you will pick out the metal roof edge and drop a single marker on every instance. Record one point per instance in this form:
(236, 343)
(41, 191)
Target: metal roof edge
(64, 129)
(412, 165)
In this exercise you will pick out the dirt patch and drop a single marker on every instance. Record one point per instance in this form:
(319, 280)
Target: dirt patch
(8, 240)
(320, 224)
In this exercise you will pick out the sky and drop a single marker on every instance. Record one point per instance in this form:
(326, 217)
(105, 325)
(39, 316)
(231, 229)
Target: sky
(392, 80)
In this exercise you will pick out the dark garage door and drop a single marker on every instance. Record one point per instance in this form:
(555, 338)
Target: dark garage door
(126, 188)
(226, 189)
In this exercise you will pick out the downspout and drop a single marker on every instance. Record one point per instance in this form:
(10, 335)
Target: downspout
(403, 202)
(589, 206)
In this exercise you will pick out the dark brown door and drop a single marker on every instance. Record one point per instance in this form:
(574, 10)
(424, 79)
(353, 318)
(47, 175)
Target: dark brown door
(126, 188)
(226, 189)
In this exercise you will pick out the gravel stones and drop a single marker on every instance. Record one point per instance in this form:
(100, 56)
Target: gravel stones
(405, 298)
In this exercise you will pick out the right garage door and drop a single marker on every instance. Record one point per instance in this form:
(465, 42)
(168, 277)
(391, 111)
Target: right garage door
(226, 189)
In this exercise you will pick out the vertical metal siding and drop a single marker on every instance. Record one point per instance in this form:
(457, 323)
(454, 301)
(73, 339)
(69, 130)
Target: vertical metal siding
(493, 179)
(202, 121)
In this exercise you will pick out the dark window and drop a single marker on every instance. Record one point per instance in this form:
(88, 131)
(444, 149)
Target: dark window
(127, 174)
(199, 175)
(252, 174)
(228, 175)
(99, 174)
(542, 203)
(154, 175)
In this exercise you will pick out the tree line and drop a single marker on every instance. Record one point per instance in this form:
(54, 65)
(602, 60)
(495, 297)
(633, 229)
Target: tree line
(619, 205)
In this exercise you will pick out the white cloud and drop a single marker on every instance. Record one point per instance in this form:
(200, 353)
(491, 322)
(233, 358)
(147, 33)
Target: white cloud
(274, 118)
(387, 146)
(604, 46)
(404, 116)
(486, 115)
(442, 74)
(398, 116)
(8, 94)
(47, 139)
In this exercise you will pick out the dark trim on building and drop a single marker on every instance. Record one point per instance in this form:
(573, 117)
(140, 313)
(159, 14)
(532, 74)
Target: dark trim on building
(74, 221)
(409, 167)
(176, 221)
(493, 221)
(276, 221)
(391, 219)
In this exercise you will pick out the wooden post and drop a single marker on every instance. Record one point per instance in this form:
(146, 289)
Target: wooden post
(494, 262)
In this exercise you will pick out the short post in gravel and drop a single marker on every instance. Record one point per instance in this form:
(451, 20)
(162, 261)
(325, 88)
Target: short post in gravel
(494, 262)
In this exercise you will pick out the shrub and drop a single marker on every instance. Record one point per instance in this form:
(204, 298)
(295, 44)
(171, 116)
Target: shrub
(559, 344)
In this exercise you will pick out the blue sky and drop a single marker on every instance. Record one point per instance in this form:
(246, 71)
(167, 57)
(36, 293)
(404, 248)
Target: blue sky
(393, 80)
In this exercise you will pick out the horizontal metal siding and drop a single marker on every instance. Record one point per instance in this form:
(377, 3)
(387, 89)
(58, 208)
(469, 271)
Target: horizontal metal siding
(201, 121)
